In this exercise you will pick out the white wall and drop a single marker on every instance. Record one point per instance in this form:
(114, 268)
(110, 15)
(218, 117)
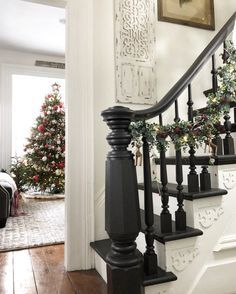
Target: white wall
(177, 48)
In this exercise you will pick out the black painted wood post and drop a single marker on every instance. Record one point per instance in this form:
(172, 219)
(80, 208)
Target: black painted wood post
(217, 140)
(214, 74)
(122, 215)
(225, 55)
(228, 141)
(180, 214)
(150, 257)
(193, 181)
(166, 218)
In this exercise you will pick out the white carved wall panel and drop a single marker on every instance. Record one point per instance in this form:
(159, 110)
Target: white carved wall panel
(135, 51)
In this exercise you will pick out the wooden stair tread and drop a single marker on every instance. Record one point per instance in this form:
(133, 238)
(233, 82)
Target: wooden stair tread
(167, 237)
(102, 248)
(187, 195)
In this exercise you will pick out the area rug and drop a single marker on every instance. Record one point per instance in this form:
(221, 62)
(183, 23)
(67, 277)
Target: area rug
(42, 224)
(42, 196)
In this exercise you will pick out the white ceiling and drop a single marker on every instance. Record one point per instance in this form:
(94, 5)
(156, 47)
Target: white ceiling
(32, 27)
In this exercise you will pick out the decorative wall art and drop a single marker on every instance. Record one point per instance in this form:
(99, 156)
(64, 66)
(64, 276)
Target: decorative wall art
(195, 13)
(135, 51)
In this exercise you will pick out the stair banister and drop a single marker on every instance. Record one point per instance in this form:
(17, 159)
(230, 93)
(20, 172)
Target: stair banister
(124, 263)
(186, 79)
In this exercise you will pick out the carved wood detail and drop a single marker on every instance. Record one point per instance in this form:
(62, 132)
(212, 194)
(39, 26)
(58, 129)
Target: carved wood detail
(229, 179)
(207, 216)
(135, 43)
(181, 258)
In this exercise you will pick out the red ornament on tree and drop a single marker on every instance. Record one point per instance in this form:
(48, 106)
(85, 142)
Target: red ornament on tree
(36, 178)
(41, 128)
(61, 165)
(55, 107)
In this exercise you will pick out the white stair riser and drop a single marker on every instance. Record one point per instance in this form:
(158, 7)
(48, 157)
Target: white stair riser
(157, 203)
(101, 267)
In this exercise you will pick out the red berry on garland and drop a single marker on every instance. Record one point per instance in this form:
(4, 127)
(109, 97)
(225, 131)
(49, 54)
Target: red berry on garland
(36, 178)
(177, 130)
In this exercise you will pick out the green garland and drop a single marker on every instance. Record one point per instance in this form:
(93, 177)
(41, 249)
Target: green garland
(205, 126)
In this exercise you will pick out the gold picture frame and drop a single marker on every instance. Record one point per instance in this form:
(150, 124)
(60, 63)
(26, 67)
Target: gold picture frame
(194, 13)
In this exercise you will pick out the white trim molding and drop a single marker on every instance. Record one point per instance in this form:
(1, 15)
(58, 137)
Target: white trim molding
(55, 3)
(226, 243)
(79, 136)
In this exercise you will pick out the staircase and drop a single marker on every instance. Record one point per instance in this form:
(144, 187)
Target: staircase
(178, 234)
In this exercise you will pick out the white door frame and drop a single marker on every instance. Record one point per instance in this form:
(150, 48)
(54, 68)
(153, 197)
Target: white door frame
(79, 132)
(80, 135)
(79, 188)
(7, 70)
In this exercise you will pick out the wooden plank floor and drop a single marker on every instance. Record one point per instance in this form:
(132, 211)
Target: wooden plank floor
(41, 270)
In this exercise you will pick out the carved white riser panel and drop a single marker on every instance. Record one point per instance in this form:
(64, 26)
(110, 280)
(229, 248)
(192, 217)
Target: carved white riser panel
(204, 213)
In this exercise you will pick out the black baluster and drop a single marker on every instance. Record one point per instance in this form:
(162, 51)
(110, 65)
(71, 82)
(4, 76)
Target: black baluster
(225, 55)
(193, 181)
(217, 139)
(214, 74)
(180, 214)
(166, 222)
(150, 257)
(122, 215)
(205, 179)
(228, 141)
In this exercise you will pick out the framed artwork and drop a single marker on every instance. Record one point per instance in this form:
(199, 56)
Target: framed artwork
(195, 13)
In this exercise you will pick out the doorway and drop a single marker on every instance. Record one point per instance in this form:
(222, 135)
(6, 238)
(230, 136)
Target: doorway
(28, 94)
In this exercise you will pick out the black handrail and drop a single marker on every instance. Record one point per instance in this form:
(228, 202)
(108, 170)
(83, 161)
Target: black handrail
(183, 82)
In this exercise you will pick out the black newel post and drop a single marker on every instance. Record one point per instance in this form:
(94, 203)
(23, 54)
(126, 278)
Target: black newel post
(122, 216)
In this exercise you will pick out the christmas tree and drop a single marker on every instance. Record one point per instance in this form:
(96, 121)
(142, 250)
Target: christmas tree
(42, 166)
